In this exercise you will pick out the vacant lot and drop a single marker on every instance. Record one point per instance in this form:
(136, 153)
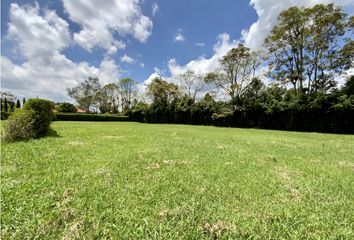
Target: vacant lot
(141, 181)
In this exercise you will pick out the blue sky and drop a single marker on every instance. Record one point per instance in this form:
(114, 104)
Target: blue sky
(50, 45)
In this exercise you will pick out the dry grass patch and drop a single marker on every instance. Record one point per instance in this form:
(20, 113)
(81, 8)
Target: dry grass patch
(346, 165)
(153, 166)
(76, 143)
(216, 230)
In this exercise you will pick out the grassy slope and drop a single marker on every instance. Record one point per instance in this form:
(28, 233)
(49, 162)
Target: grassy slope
(134, 181)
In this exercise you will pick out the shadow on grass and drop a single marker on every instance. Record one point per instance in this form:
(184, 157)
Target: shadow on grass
(52, 134)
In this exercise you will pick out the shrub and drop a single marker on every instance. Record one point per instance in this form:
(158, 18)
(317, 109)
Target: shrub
(43, 114)
(89, 117)
(32, 121)
(67, 107)
(20, 126)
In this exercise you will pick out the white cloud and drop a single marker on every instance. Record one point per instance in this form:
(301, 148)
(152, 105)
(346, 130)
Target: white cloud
(179, 38)
(151, 77)
(200, 44)
(108, 71)
(46, 72)
(155, 8)
(203, 64)
(31, 79)
(38, 37)
(127, 59)
(268, 11)
(100, 20)
(142, 65)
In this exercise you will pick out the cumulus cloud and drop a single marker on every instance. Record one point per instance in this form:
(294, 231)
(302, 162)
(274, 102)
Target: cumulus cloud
(38, 37)
(155, 8)
(203, 64)
(268, 11)
(46, 72)
(127, 59)
(100, 20)
(179, 37)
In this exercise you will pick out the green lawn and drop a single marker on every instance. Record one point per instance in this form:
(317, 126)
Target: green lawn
(122, 180)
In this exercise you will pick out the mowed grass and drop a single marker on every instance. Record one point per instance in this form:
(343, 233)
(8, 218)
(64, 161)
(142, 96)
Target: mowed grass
(122, 180)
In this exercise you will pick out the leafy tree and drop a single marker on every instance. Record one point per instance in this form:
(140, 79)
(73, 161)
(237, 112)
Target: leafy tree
(67, 107)
(254, 89)
(191, 83)
(304, 47)
(23, 101)
(86, 93)
(237, 69)
(162, 92)
(127, 91)
(348, 88)
(18, 104)
(111, 97)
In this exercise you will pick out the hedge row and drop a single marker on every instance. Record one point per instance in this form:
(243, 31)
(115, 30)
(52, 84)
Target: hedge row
(89, 117)
(313, 120)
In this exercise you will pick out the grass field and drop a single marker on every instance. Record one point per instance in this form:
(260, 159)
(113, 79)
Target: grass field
(139, 181)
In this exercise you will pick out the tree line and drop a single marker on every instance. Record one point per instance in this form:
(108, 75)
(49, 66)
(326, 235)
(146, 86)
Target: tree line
(303, 57)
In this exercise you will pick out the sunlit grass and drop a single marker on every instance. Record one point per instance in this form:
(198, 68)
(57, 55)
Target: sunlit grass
(139, 181)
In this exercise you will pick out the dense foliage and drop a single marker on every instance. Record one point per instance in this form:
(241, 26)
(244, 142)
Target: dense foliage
(67, 107)
(271, 107)
(89, 117)
(32, 121)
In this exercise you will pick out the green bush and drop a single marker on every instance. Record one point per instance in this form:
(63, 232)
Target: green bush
(20, 126)
(89, 117)
(43, 114)
(67, 107)
(32, 121)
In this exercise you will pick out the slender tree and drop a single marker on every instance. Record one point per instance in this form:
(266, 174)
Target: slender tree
(6, 106)
(18, 104)
(191, 83)
(127, 91)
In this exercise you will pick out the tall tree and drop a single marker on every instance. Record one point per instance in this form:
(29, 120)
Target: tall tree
(86, 93)
(111, 92)
(191, 83)
(18, 104)
(127, 91)
(6, 106)
(162, 92)
(23, 101)
(237, 68)
(304, 46)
